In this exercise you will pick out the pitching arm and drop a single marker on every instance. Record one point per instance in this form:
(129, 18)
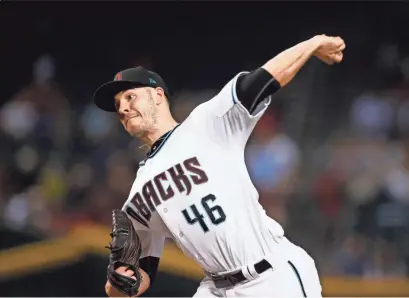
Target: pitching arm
(231, 115)
(254, 87)
(286, 65)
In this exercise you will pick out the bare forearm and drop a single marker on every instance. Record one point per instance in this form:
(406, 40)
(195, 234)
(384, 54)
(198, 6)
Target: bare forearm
(286, 65)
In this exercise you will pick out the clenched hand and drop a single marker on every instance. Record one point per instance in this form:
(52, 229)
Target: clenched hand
(329, 49)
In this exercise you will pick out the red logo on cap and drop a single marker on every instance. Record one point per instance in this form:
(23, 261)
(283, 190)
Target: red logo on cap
(118, 76)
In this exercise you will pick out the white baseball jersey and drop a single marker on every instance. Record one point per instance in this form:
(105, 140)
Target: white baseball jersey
(195, 188)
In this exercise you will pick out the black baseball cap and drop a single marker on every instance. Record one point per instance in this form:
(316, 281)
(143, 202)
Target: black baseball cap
(104, 96)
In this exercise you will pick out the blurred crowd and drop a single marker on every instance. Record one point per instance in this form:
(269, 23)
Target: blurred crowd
(65, 162)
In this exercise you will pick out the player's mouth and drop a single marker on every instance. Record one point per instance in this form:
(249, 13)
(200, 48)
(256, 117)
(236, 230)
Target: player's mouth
(135, 116)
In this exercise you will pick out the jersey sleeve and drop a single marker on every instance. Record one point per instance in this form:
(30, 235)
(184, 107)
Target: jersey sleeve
(225, 118)
(152, 243)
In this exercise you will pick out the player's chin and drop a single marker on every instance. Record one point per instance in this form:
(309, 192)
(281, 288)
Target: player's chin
(135, 130)
(132, 126)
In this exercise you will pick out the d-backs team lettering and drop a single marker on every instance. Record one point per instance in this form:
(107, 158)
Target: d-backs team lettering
(183, 175)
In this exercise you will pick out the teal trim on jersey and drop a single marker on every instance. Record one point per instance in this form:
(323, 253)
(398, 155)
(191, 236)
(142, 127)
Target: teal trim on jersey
(160, 142)
(299, 278)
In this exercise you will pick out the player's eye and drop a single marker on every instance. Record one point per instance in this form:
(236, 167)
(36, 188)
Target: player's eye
(131, 96)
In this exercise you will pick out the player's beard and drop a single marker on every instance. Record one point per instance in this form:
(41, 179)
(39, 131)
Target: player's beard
(149, 119)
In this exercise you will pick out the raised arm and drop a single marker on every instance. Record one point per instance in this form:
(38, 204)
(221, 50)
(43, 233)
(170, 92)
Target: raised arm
(231, 115)
(286, 65)
(255, 86)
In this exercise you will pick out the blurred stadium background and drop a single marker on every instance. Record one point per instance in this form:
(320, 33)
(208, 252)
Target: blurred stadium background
(330, 158)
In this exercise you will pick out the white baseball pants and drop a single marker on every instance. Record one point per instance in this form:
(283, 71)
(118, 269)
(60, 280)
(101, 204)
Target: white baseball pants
(293, 275)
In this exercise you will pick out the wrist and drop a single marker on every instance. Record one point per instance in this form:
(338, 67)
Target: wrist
(316, 43)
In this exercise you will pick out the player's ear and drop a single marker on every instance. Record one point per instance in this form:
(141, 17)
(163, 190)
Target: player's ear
(160, 95)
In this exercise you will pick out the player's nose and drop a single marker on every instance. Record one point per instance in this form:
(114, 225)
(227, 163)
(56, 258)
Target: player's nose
(123, 109)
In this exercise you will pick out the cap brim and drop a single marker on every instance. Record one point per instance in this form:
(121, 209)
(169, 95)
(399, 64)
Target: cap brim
(104, 96)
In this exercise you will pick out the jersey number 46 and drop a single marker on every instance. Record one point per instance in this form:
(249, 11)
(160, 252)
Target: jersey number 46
(215, 213)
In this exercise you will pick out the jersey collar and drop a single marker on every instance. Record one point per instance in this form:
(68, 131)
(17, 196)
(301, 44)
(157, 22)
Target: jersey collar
(158, 144)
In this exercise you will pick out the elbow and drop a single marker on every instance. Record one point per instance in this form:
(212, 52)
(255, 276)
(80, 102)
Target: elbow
(282, 76)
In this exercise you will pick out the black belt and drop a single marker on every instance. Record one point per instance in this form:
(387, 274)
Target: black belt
(228, 280)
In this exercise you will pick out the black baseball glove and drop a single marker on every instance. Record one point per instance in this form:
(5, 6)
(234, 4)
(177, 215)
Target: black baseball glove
(125, 250)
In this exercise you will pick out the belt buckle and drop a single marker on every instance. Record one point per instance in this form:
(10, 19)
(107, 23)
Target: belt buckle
(215, 276)
(223, 281)
(232, 280)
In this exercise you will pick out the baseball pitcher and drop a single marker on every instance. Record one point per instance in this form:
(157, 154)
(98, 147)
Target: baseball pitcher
(193, 185)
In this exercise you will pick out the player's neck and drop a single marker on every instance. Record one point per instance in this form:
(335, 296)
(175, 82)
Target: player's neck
(159, 130)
